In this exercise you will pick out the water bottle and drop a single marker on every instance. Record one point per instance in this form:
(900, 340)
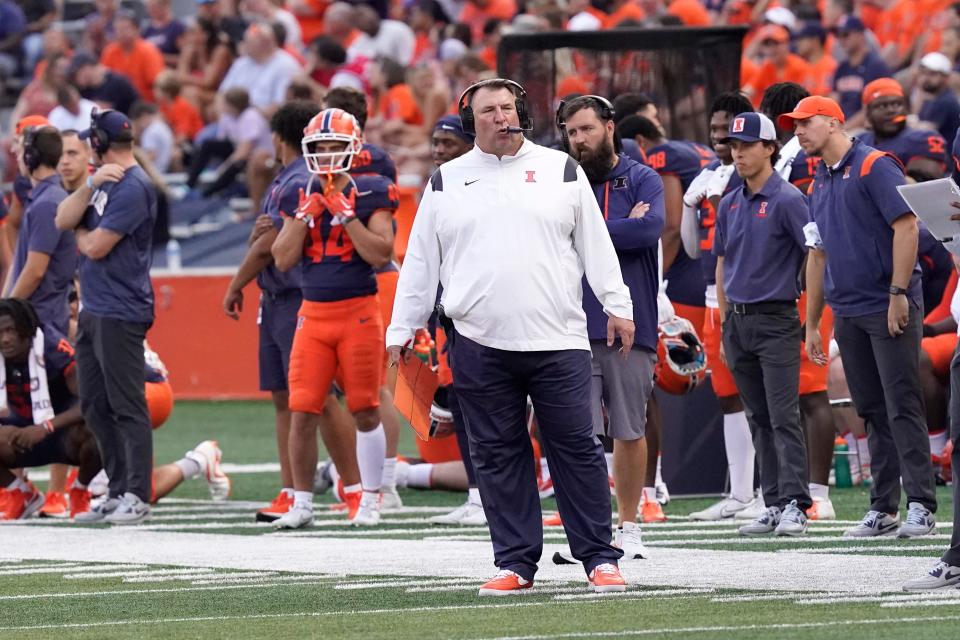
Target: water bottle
(841, 463)
(173, 255)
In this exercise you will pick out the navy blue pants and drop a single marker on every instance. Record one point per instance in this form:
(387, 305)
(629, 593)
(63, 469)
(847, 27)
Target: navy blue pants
(492, 388)
(463, 443)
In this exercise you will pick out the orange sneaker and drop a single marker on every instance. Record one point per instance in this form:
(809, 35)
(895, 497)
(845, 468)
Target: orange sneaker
(280, 505)
(79, 501)
(22, 504)
(553, 521)
(505, 583)
(350, 504)
(55, 505)
(4, 500)
(651, 511)
(606, 578)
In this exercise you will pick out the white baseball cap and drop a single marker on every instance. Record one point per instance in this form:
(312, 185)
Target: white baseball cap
(936, 61)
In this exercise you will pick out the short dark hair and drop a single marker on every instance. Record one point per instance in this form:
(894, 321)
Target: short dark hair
(142, 108)
(329, 50)
(781, 98)
(733, 102)
(238, 98)
(776, 151)
(627, 104)
(48, 146)
(289, 121)
(462, 32)
(25, 320)
(351, 100)
(279, 33)
(393, 72)
(586, 102)
(493, 84)
(634, 125)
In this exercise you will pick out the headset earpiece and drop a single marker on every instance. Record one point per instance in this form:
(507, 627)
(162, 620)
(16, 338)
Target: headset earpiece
(467, 119)
(31, 159)
(607, 114)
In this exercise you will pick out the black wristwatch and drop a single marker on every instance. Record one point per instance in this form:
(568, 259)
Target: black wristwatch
(897, 291)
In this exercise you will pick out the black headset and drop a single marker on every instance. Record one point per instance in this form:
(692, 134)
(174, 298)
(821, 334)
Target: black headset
(99, 138)
(607, 113)
(31, 156)
(467, 120)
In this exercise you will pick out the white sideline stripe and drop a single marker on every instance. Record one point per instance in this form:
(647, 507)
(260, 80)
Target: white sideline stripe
(878, 547)
(249, 504)
(651, 593)
(120, 592)
(760, 597)
(45, 565)
(412, 582)
(313, 532)
(621, 633)
(735, 539)
(133, 574)
(313, 579)
(920, 603)
(65, 568)
(202, 575)
(944, 594)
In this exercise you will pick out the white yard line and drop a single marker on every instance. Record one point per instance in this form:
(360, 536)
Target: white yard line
(132, 574)
(646, 593)
(39, 569)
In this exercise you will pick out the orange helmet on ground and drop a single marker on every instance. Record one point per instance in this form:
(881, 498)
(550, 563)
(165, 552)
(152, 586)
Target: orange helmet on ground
(681, 358)
(331, 125)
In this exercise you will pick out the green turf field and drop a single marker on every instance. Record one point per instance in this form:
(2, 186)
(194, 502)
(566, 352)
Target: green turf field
(200, 569)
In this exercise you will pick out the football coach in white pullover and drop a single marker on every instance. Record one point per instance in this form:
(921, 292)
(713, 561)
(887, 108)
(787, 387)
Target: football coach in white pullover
(508, 229)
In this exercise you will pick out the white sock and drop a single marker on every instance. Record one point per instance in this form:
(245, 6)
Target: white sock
(389, 472)
(401, 473)
(650, 494)
(658, 480)
(418, 477)
(353, 488)
(938, 440)
(78, 485)
(370, 497)
(609, 458)
(288, 491)
(371, 450)
(473, 496)
(303, 500)
(740, 454)
(18, 484)
(821, 491)
(189, 468)
(544, 468)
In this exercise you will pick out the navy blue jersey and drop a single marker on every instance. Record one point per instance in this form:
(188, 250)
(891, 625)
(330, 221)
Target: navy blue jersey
(943, 112)
(910, 144)
(118, 285)
(802, 170)
(374, 160)
(332, 269)
(707, 216)
(58, 360)
(282, 200)
(849, 80)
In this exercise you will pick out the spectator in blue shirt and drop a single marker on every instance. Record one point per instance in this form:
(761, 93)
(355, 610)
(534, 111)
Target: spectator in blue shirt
(12, 25)
(862, 66)
(941, 109)
(113, 216)
(864, 263)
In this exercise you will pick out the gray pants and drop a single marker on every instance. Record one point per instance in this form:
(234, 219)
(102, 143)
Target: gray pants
(110, 372)
(763, 352)
(952, 556)
(883, 375)
(623, 387)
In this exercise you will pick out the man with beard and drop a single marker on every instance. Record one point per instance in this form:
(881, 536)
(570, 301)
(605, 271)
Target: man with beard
(941, 108)
(630, 195)
(922, 152)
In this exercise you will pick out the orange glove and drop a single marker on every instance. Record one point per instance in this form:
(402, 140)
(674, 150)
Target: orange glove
(310, 207)
(343, 208)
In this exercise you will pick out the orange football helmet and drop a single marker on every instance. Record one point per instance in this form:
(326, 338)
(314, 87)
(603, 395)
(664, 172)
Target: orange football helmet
(331, 125)
(681, 358)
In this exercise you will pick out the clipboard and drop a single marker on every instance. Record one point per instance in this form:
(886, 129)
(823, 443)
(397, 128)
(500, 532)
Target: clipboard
(930, 201)
(417, 384)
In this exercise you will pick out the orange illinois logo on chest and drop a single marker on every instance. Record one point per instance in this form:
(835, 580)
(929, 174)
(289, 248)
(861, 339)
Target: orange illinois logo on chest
(531, 176)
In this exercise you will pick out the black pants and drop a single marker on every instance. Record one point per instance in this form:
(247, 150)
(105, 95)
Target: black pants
(883, 375)
(492, 388)
(213, 150)
(110, 366)
(463, 442)
(952, 556)
(763, 351)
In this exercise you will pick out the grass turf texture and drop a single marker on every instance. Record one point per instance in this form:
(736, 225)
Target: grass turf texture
(275, 604)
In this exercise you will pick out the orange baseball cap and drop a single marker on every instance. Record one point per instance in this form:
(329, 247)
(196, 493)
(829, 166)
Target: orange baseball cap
(30, 121)
(881, 88)
(809, 107)
(773, 32)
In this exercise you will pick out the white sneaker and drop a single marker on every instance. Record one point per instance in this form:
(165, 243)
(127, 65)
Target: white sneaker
(875, 523)
(941, 575)
(754, 510)
(207, 454)
(99, 485)
(793, 521)
(629, 540)
(663, 494)
(726, 508)
(766, 523)
(821, 509)
(131, 510)
(295, 518)
(321, 479)
(99, 509)
(474, 517)
(389, 499)
(368, 515)
(920, 522)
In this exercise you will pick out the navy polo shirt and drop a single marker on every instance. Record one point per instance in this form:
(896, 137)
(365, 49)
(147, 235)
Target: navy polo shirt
(118, 285)
(636, 241)
(943, 111)
(282, 200)
(39, 233)
(849, 80)
(760, 236)
(854, 205)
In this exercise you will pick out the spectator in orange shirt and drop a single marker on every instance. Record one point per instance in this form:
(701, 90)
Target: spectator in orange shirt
(476, 13)
(622, 11)
(393, 98)
(140, 61)
(809, 42)
(309, 14)
(491, 40)
(181, 115)
(339, 22)
(691, 12)
(779, 65)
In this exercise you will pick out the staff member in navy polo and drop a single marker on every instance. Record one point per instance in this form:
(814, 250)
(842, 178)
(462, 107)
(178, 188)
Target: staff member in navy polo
(630, 196)
(45, 258)
(864, 262)
(112, 217)
(760, 248)
(509, 228)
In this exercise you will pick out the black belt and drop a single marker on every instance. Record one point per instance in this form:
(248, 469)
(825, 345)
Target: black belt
(443, 320)
(753, 308)
(283, 295)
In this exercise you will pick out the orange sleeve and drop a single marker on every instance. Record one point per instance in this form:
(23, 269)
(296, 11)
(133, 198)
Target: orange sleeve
(942, 310)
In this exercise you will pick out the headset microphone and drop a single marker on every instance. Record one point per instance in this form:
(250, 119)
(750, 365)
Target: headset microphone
(518, 129)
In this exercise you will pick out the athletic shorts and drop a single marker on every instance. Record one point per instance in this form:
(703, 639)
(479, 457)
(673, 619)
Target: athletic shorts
(386, 292)
(159, 402)
(720, 377)
(342, 340)
(60, 447)
(277, 322)
(940, 351)
(813, 378)
(695, 315)
(623, 387)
